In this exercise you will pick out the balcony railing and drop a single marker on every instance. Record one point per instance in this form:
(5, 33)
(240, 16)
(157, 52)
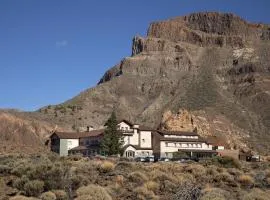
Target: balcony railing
(126, 131)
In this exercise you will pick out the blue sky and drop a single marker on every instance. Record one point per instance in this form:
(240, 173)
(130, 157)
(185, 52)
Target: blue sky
(50, 50)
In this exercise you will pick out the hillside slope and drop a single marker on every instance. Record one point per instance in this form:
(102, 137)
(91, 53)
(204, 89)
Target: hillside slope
(214, 65)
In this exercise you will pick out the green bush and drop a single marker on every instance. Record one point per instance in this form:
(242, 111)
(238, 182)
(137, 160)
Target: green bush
(226, 161)
(20, 182)
(34, 188)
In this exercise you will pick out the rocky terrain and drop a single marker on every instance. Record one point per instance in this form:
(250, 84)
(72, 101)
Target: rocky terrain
(213, 65)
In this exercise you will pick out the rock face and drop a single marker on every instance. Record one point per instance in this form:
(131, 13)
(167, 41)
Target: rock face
(19, 133)
(205, 125)
(214, 65)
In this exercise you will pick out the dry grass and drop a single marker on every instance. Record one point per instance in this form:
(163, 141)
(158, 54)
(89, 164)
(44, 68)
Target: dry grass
(256, 194)
(119, 180)
(106, 167)
(92, 192)
(195, 169)
(48, 196)
(213, 194)
(60, 194)
(137, 177)
(142, 193)
(19, 197)
(129, 180)
(246, 180)
(224, 177)
(152, 186)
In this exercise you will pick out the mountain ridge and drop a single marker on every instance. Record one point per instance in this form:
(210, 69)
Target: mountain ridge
(214, 65)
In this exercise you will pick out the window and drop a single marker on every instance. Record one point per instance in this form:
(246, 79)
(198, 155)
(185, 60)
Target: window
(143, 140)
(166, 144)
(126, 128)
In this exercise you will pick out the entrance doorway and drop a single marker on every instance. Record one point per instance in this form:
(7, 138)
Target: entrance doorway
(130, 154)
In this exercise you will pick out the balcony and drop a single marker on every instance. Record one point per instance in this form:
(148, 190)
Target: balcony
(128, 132)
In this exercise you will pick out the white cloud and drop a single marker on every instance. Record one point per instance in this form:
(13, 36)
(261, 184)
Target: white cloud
(62, 43)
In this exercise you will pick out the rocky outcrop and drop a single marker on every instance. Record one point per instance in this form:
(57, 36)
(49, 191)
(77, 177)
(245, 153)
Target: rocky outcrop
(206, 125)
(20, 133)
(206, 29)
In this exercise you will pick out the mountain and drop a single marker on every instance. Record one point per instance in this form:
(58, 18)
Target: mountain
(208, 71)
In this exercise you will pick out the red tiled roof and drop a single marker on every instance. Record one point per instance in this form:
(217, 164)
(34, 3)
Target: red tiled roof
(136, 147)
(78, 148)
(183, 139)
(145, 128)
(126, 121)
(165, 132)
(77, 135)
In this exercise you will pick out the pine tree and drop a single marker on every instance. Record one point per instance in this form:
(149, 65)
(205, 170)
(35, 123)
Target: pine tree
(112, 141)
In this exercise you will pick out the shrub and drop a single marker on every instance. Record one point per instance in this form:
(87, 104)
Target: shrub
(234, 171)
(225, 177)
(161, 177)
(152, 186)
(267, 173)
(213, 194)
(4, 169)
(196, 170)
(143, 193)
(256, 194)
(187, 191)
(19, 197)
(226, 161)
(120, 180)
(92, 192)
(268, 181)
(34, 188)
(246, 180)
(106, 167)
(20, 182)
(137, 177)
(48, 196)
(60, 194)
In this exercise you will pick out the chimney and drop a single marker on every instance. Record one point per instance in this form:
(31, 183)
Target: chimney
(90, 128)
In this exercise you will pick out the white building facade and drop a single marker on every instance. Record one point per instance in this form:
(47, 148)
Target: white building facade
(139, 141)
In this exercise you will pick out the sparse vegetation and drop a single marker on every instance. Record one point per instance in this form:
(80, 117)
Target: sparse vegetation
(92, 192)
(48, 196)
(106, 166)
(54, 178)
(246, 180)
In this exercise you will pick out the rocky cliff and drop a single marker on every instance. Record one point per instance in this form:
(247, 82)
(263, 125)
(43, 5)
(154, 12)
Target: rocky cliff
(214, 65)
